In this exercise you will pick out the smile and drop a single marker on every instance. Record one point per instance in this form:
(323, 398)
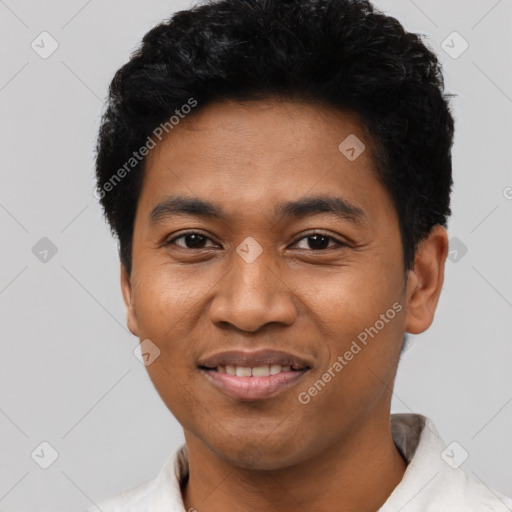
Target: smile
(253, 375)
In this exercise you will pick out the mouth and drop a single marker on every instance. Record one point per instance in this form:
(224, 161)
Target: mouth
(253, 376)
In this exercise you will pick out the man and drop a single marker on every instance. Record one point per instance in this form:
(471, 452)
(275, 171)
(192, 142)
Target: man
(278, 174)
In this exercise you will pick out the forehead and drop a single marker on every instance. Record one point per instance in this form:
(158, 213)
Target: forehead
(240, 130)
(249, 157)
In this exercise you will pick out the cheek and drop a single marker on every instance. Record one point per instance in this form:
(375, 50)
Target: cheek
(360, 314)
(348, 300)
(170, 382)
(362, 363)
(161, 308)
(164, 298)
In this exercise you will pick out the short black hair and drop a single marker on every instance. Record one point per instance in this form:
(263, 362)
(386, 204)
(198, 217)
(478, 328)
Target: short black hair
(343, 54)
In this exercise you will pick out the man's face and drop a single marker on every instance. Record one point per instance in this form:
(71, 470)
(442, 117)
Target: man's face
(258, 278)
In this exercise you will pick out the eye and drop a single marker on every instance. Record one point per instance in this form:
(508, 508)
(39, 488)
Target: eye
(319, 241)
(192, 240)
(197, 240)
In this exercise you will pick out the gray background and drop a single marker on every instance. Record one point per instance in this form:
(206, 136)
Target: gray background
(67, 369)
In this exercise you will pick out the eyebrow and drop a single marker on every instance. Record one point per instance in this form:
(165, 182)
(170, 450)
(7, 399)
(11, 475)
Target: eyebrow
(303, 207)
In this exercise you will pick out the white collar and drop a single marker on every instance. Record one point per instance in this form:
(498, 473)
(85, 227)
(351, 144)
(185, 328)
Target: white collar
(429, 482)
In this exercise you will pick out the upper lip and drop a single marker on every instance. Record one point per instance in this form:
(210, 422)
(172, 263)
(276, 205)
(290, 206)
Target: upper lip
(253, 359)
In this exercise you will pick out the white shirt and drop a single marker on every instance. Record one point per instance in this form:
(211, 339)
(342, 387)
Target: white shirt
(429, 484)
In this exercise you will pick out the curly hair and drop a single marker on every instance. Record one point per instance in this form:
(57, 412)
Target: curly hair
(343, 54)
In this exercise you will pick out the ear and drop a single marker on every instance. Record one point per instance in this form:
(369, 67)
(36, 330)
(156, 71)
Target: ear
(425, 281)
(126, 288)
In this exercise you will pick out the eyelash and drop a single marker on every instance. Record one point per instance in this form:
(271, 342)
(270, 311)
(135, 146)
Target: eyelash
(314, 233)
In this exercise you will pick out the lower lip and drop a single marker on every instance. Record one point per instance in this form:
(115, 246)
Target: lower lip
(253, 388)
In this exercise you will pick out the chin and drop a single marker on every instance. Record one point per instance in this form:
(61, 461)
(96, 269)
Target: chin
(261, 455)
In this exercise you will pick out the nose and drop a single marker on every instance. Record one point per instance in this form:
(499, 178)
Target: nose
(252, 295)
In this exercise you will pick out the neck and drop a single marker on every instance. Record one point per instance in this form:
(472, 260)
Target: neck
(358, 474)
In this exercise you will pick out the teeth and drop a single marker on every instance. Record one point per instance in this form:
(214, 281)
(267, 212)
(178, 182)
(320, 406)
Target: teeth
(261, 371)
(258, 371)
(243, 371)
(275, 369)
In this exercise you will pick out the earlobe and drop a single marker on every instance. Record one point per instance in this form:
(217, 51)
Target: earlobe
(126, 288)
(426, 280)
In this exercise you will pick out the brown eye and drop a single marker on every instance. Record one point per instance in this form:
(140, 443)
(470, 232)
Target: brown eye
(191, 241)
(319, 241)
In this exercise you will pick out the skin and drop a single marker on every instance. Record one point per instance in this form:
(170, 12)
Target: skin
(278, 454)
